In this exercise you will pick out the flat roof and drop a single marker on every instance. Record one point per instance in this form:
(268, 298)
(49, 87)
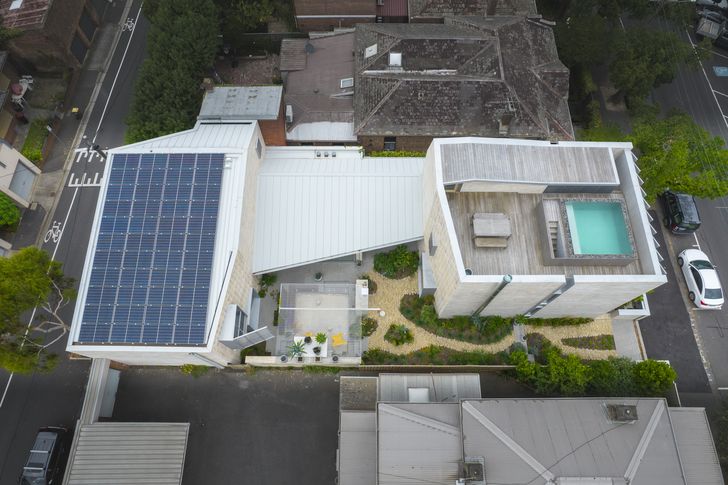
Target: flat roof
(242, 103)
(316, 204)
(129, 453)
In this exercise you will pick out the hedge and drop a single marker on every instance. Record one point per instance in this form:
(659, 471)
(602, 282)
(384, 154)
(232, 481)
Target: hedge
(397, 263)
(397, 153)
(433, 355)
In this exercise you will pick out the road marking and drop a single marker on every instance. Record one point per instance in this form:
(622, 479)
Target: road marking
(722, 94)
(128, 43)
(718, 54)
(705, 74)
(697, 243)
(84, 181)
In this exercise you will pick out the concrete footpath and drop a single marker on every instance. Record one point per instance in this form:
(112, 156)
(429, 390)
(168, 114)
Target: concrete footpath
(82, 93)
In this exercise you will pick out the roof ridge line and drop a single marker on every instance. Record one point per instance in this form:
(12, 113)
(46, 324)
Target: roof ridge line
(379, 105)
(421, 420)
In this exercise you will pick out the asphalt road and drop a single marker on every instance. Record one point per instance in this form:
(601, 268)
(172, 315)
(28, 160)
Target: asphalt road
(55, 399)
(704, 96)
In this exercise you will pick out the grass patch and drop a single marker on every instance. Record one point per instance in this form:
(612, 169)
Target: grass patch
(321, 369)
(433, 355)
(398, 334)
(596, 342)
(195, 370)
(487, 330)
(33, 146)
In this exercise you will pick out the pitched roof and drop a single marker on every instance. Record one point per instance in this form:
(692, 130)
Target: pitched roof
(29, 15)
(465, 77)
(442, 8)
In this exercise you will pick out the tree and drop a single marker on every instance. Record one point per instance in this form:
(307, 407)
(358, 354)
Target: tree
(9, 212)
(583, 41)
(182, 44)
(611, 377)
(678, 154)
(245, 15)
(644, 59)
(30, 279)
(653, 378)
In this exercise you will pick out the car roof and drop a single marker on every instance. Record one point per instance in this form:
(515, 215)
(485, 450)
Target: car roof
(689, 209)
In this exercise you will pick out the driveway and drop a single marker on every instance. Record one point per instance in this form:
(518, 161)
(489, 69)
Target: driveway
(269, 427)
(667, 333)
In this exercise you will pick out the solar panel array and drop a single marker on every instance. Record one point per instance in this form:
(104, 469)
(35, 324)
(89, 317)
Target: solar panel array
(150, 279)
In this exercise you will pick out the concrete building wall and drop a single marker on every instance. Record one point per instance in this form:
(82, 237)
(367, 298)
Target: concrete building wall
(595, 296)
(329, 23)
(522, 294)
(9, 160)
(274, 131)
(147, 357)
(404, 143)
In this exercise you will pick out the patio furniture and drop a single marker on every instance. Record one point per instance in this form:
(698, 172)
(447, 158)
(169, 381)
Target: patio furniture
(308, 348)
(491, 230)
(337, 340)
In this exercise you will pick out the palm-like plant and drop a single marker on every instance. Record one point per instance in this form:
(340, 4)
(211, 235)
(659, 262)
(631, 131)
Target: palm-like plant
(321, 338)
(297, 349)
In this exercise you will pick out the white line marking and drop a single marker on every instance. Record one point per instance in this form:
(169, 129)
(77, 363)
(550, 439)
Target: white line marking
(719, 54)
(697, 243)
(108, 98)
(712, 91)
(722, 94)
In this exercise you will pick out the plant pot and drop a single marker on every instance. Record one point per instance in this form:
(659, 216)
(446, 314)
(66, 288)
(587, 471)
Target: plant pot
(284, 358)
(307, 340)
(317, 350)
(335, 358)
(300, 359)
(318, 359)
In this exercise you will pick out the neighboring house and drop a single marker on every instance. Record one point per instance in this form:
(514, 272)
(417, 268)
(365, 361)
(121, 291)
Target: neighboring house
(313, 15)
(261, 103)
(471, 76)
(17, 175)
(8, 77)
(56, 34)
(531, 227)
(417, 438)
(187, 222)
(436, 10)
(318, 77)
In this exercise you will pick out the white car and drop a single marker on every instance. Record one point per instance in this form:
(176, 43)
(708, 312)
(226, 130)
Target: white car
(704, 288)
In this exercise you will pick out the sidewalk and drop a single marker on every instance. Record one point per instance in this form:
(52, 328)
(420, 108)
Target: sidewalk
(50, 182)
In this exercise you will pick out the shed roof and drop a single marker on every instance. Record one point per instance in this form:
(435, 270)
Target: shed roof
(477, 76)
(313, 208)
(242, 103)
(357, 448)
(31, 14)
(441, 387)
(129, 453)
(697, 450)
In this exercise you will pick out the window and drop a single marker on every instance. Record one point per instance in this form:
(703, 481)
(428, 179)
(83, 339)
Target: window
(241, 319)
(16, 4)
(347, 83)
(390, 143)
(698, 279)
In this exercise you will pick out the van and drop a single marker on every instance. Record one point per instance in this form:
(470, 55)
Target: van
(681, 213)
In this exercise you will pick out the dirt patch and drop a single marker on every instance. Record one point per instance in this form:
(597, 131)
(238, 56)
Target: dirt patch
(47, 93)
(250, 71)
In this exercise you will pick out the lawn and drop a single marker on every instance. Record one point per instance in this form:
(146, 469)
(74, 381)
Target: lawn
(33, 146)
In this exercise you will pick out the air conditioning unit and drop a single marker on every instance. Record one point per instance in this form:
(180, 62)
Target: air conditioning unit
(622, 413)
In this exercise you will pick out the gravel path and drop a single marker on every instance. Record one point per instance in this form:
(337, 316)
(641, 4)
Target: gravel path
(390, 292)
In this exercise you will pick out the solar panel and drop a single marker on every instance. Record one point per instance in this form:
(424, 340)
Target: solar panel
(150, 276)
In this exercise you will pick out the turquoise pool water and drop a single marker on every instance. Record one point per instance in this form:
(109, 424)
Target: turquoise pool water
(598, 228)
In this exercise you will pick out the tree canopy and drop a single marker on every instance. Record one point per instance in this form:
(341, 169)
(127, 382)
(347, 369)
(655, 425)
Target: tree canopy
(30, 279)
(182, 44)
(678, 154)
(9, 212)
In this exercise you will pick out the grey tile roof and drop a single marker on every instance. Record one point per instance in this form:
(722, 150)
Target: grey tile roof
(293, 55)
(461, 78)
(442, 8)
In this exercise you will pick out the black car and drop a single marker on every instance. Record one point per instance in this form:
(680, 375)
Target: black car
(47, 459)
(681, 213)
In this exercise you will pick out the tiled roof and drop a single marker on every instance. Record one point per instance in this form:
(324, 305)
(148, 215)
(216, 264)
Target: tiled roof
(293, 55)
(466, 77)
(442, 8)
(30, 15)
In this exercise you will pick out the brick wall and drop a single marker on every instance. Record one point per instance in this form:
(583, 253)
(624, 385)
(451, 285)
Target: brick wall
(274, 131)
(317, 25)
(406, 143)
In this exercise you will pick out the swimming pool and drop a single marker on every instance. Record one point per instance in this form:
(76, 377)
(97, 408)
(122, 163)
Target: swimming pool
(598, 228)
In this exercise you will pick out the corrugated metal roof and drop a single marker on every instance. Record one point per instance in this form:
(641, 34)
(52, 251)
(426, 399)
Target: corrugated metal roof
(695, 443)
(311, 209)
(357, 448)
(441, 387)
(527, 161)
(205, 137)
(418, 443)
(242, 103)
(129, 453)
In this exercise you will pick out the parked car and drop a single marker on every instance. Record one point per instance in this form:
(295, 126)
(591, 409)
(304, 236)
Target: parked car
(47, 459)
(681, 213)
(704, 288)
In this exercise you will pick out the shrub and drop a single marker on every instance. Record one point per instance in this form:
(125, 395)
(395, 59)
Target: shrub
(371, 284)
(597, 342)
(433, 355)
(397, 153)
(484, 330)
(368, 326)
(321, 338)
(398, 334)
(553, 322)
(561, 375)
(194, 370)
(9, 212)
(611, 377)
(653, 378)
(397, 263)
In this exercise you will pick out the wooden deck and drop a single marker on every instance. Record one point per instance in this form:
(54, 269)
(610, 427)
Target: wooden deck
(523, 254)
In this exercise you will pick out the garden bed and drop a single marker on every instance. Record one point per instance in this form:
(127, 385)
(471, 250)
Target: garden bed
(35, 141)
(597, 342)
(434, 355)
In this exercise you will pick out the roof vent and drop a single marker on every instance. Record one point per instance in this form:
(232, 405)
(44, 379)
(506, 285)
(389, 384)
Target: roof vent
(318, 154)
(622, 413)
(473, 472)
(289, 113)
(370, 51)
(395, 59)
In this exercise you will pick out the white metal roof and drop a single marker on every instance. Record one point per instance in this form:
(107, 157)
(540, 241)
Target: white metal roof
(129, 453)
(357, 448)
(242, 103)
(322, 131)
(205, 137)
(313, 208)
(697, 451)
(440, 387)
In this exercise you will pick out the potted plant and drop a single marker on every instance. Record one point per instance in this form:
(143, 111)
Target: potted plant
(317, 350)
(318, 276)
(321, 338)
(296, 350)
(307, 339)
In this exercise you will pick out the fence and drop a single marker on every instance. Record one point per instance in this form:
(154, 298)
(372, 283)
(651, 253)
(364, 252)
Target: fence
(250, 44)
